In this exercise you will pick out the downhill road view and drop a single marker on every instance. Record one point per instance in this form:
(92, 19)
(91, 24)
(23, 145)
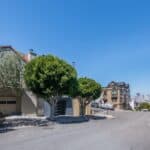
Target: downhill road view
(128, 131)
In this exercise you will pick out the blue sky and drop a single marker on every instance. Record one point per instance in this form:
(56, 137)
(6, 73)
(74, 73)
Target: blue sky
(108, 40)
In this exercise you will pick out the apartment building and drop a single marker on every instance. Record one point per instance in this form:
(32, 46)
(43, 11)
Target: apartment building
(117, 94)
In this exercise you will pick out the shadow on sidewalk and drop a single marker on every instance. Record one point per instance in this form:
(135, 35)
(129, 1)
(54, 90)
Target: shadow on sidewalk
(10, 124)
(76, 119)
(5, 130)
(70, 119)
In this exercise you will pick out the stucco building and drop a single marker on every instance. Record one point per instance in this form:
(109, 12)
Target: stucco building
(13, 101)
(26, 102)
(117, 94)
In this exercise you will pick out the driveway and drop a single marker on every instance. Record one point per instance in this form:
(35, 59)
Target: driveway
(128, 131)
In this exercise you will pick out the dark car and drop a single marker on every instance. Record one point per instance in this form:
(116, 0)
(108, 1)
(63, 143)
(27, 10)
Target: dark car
(95, 105)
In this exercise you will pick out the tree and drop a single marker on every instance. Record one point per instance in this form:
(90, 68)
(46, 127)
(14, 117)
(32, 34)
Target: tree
(11, 69)
(50, 77)
(88, 90)
(144, 105)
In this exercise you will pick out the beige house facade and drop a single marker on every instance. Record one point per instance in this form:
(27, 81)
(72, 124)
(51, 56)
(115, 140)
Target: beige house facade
(25, 102)
(117, 94)
(20, 101)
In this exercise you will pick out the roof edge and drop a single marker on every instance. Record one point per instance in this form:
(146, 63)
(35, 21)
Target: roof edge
(15, 51)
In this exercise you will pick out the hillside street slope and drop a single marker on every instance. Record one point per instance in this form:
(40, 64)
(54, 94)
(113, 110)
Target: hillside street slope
(128, 131)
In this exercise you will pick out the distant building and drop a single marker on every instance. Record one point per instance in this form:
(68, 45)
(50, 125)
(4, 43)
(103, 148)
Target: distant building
(117, 94)
(28, 57)
(140, 98)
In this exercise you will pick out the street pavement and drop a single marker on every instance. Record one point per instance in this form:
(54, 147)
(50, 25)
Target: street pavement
(128, 131)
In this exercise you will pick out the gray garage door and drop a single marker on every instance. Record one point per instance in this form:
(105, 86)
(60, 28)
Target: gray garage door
(8, 105)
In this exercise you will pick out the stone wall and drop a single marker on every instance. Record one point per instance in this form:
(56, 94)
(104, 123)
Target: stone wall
(77, 109)
(27, 107)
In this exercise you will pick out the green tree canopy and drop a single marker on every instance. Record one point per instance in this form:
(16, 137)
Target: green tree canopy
(49, 76)
(144, 105)
(88, 90)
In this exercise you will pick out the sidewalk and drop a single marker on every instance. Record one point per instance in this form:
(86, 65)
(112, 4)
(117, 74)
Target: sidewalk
(104, 114)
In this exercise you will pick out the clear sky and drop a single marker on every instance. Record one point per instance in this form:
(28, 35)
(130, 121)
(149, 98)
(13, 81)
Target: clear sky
(108, 40)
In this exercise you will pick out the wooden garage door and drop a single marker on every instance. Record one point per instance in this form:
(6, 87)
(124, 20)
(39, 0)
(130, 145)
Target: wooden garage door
(8, 105)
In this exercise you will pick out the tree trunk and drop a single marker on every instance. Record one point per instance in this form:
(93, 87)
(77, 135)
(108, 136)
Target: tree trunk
(82, 110)
(50, 113)
(52, 104)
(83, 105)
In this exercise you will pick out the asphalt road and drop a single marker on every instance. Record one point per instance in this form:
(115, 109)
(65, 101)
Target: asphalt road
(129, 131)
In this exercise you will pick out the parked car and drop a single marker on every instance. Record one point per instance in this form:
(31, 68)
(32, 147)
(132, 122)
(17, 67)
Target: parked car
(144, 110)
(107, 106)
(94, 105)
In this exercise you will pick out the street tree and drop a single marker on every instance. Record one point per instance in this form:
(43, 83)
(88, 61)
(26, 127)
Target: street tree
(50, 77)
(88, 90)
(144, 105)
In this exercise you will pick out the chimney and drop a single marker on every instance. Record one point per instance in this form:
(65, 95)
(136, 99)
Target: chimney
(31, 55)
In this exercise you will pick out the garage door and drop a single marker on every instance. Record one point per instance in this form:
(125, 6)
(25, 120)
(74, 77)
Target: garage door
(8, 105)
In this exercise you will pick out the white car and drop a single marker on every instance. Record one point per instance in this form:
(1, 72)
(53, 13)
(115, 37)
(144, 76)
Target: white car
(106, 106)
(144, 110)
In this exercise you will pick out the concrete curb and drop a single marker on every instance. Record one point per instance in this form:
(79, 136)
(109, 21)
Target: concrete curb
(104, 115)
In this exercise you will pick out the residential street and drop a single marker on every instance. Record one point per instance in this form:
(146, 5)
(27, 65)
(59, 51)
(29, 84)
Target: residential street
(128, 131)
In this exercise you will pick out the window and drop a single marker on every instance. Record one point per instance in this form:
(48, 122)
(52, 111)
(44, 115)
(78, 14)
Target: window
(11, 102)
(114, 99)
(114, 92)
(7, 102)
(2, 102)
(105, 93)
